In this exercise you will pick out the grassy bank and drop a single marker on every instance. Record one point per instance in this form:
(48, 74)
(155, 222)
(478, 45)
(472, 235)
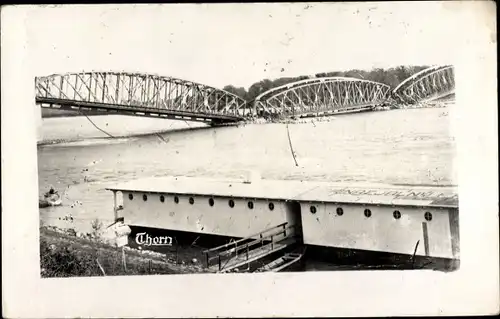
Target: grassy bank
(64, 254)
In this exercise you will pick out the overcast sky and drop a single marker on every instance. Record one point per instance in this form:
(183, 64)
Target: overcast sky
(240, 44)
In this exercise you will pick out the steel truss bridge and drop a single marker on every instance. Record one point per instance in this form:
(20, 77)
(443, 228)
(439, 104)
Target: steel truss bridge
(167, 97)
(427, 85)
(321, 96)
(140, 95)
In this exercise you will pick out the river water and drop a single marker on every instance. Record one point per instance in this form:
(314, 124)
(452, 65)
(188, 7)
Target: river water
(411, 147)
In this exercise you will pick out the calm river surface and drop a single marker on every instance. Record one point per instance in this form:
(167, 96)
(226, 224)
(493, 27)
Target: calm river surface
(393, 147)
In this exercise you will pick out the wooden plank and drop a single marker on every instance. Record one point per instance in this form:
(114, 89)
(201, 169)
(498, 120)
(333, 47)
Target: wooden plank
(235, 243)
(254, 255)
(258, 254)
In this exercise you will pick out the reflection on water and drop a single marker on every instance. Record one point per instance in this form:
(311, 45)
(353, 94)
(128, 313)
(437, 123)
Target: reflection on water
(395, 147)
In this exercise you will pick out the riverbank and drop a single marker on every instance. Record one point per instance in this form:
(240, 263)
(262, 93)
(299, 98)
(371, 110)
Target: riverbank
(66, 253)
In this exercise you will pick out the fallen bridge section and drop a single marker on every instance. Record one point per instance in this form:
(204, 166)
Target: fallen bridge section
(432, 84)
(321, 97)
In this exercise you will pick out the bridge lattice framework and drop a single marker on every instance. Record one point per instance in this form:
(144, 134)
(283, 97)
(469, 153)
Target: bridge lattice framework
(321, 96)
(427, 85)
(140, 94)
(160, 96)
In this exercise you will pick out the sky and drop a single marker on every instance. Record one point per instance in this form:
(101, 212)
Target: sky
(239, 44)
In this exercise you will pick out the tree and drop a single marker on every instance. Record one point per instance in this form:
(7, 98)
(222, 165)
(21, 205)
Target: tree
(241, 92)
(392, 77)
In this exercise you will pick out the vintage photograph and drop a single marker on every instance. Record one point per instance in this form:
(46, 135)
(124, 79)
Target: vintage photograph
(224, 148)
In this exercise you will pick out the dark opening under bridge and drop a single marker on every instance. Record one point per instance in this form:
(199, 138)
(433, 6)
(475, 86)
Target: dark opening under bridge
(171, 98)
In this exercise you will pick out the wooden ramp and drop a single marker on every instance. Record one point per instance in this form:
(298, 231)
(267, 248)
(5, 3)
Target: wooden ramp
(242, 252)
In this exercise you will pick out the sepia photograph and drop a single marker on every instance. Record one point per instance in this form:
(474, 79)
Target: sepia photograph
(234, 139)
(336, 170)
(343, 169)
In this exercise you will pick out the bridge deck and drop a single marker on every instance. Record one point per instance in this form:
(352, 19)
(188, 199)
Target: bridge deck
(137, 110)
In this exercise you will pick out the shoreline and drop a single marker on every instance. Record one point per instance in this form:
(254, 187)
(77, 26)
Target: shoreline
(66, 253)
(89, 256)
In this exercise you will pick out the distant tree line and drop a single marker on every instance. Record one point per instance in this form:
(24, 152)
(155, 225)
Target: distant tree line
(391, 77)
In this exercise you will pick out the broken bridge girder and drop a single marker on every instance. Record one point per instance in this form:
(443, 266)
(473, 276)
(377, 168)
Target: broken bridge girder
(427, 85)
(321, 95)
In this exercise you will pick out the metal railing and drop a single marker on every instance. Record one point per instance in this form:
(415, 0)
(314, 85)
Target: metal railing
(232, 250)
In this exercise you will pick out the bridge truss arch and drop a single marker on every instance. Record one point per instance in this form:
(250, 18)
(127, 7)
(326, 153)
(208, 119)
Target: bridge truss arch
(136, 91)
(427, 85)
(321, 96)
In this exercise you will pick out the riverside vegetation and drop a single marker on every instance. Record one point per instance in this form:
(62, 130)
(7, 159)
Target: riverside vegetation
(392, 77)
(66, 253)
